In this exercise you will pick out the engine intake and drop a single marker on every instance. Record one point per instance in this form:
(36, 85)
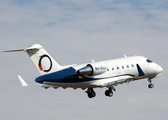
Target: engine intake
(93, 69)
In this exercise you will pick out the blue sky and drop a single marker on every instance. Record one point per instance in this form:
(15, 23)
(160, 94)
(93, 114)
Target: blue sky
(75, 32)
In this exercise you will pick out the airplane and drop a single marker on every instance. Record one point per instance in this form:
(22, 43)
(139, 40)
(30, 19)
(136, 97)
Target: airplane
(108, 73)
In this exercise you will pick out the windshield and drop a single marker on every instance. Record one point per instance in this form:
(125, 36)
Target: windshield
(148, 60)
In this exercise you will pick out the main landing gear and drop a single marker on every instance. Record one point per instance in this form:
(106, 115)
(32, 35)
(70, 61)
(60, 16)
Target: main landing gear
(150, 83)
(109, 92)
(91, 93)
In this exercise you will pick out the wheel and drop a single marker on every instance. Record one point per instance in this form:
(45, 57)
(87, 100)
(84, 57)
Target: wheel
(109, 93)
(91, 94)
(151, 86)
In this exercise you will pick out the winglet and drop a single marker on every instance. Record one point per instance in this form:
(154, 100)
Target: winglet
(22, 81)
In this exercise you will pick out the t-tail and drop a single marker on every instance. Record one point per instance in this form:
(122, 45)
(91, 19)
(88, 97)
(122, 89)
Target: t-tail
(41, 59)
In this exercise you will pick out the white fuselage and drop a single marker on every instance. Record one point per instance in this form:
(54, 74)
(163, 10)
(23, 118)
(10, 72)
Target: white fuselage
(118, 71)
(107, 73)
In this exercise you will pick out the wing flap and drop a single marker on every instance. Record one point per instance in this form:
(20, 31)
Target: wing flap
(117, 80)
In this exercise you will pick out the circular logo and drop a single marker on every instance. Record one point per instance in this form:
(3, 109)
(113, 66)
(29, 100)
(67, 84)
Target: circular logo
(43, 67)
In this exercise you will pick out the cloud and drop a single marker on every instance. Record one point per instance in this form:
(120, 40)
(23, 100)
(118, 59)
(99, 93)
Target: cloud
(76, 32)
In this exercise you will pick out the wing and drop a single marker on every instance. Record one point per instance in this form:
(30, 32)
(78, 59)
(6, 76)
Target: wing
(114, 81)
(22, 81)
(24, 84)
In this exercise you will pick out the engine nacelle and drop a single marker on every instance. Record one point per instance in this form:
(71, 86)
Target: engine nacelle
(93, 69)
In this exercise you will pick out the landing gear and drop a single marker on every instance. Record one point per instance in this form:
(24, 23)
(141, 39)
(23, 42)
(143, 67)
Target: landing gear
(109, 92)
(150, 86)
(150, 83)
(91, 93)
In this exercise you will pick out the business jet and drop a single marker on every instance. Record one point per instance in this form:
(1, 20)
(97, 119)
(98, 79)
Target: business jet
(108, 73)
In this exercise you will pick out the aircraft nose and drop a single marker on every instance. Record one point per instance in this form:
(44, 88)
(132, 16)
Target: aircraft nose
(159, 69)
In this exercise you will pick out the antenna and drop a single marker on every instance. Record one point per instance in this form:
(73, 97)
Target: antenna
(125, 56)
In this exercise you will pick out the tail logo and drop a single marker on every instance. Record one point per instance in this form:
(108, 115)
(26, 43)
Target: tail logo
(43, 67)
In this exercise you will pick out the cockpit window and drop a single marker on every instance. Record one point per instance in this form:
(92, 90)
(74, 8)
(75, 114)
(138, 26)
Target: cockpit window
(149, 61)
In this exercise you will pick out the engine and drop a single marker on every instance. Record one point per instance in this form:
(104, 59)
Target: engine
(93, 69)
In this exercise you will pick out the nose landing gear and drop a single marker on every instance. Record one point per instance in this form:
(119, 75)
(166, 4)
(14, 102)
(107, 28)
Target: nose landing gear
(150, 86)
(150, 83)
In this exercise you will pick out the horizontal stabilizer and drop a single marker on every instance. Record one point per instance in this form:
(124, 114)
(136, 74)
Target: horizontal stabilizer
(22, 81)
(44, 63)
(14, 50)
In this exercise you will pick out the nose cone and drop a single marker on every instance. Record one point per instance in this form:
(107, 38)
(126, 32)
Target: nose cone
(39, 80)
(159, 69)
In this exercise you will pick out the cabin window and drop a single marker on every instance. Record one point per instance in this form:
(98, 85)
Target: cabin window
(132, 65)
(122, 67)
(112, 68)
(118, 68)
(127, 66)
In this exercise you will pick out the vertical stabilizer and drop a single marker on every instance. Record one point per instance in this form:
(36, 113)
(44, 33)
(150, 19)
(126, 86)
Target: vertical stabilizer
(42, 60)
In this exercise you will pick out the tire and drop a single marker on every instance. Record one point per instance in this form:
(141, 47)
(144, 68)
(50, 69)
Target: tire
(91, 94)
(110, 93)
(107, 92)
(150, 86)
